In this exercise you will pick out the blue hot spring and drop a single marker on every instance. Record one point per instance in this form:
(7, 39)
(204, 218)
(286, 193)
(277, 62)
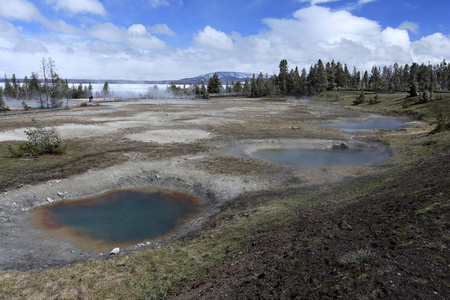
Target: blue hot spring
(119, 218)
(376, 123)
(312, 158)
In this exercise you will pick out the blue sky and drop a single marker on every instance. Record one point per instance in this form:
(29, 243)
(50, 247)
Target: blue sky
(172, 39)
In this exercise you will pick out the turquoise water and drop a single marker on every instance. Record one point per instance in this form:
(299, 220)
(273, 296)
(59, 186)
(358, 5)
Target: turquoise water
(311, 158)
(378, 123)
(124, 216)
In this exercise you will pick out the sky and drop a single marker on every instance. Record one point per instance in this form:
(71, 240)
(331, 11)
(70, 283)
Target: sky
(174, 39)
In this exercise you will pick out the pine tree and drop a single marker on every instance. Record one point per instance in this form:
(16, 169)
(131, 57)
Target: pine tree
(203, 89)
(296, 79)
(3, 106)
(321, 76)
(254, 91)
(26, 87)
(303, 85)
(237, 87)
(375, 79)
(412, 88)
(9, 91)
(290, 83)
(214, 84)
(311, 81)
(330, 76)
(105, 90)
(197, 89)
(15, 86)
(356, 79)
(396, 78)
(261, 83)
(90, 90)
(246, 87)
(365, 81)
(340, 76)
(282, 76)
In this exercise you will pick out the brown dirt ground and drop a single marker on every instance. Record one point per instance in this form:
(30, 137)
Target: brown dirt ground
(397, 247)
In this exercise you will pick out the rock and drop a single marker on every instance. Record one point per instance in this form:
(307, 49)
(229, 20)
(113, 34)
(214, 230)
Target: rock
(60, 194)
(114, 251)
(50, 200)
(342, 146)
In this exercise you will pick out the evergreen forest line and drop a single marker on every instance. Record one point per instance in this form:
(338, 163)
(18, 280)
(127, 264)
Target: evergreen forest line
(49, 90)
(428, 79)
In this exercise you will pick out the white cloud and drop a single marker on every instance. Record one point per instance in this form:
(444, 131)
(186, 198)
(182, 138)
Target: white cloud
(29, 46)
(358, 4)
(133, 52)
(137, 30)
(135, 38)
(11, 40)
(395, 37)
(412, 27)
(162, 29)
(79, 6)
(314, 2)
(317, 32)
(107, 32)
(7, 30)
(214, 39)
(432, 48)
(103, 48)
(22, 10)
(158, 3)
(60, 26)
(361, 2)
(140, 38)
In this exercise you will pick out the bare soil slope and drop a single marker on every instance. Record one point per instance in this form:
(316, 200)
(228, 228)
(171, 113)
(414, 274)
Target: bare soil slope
(390, 242)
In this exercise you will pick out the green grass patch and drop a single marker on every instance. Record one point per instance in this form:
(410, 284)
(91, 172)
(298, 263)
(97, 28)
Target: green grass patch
(393, 103)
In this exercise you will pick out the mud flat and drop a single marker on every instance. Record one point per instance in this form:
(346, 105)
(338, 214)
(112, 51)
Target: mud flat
(225, 132)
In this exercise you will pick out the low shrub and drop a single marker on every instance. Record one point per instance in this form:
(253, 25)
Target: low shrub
(359, 99)
(41, 140)
(3, 106)
(25, 106)
(374, 100)
(442, 123)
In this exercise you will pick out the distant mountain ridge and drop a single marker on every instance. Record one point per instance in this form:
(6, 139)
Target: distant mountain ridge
(223, 76)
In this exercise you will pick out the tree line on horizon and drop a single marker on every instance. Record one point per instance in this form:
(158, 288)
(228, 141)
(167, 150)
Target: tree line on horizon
(335, 76)
(331, 76)
(49, 90)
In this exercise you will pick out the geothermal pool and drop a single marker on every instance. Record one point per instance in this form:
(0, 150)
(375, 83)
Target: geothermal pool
(376, 123)
(118, 218)
(313, 158)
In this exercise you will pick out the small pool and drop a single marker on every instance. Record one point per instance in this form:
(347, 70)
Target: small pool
(313, 158)
(119, 218)
(376, 123)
